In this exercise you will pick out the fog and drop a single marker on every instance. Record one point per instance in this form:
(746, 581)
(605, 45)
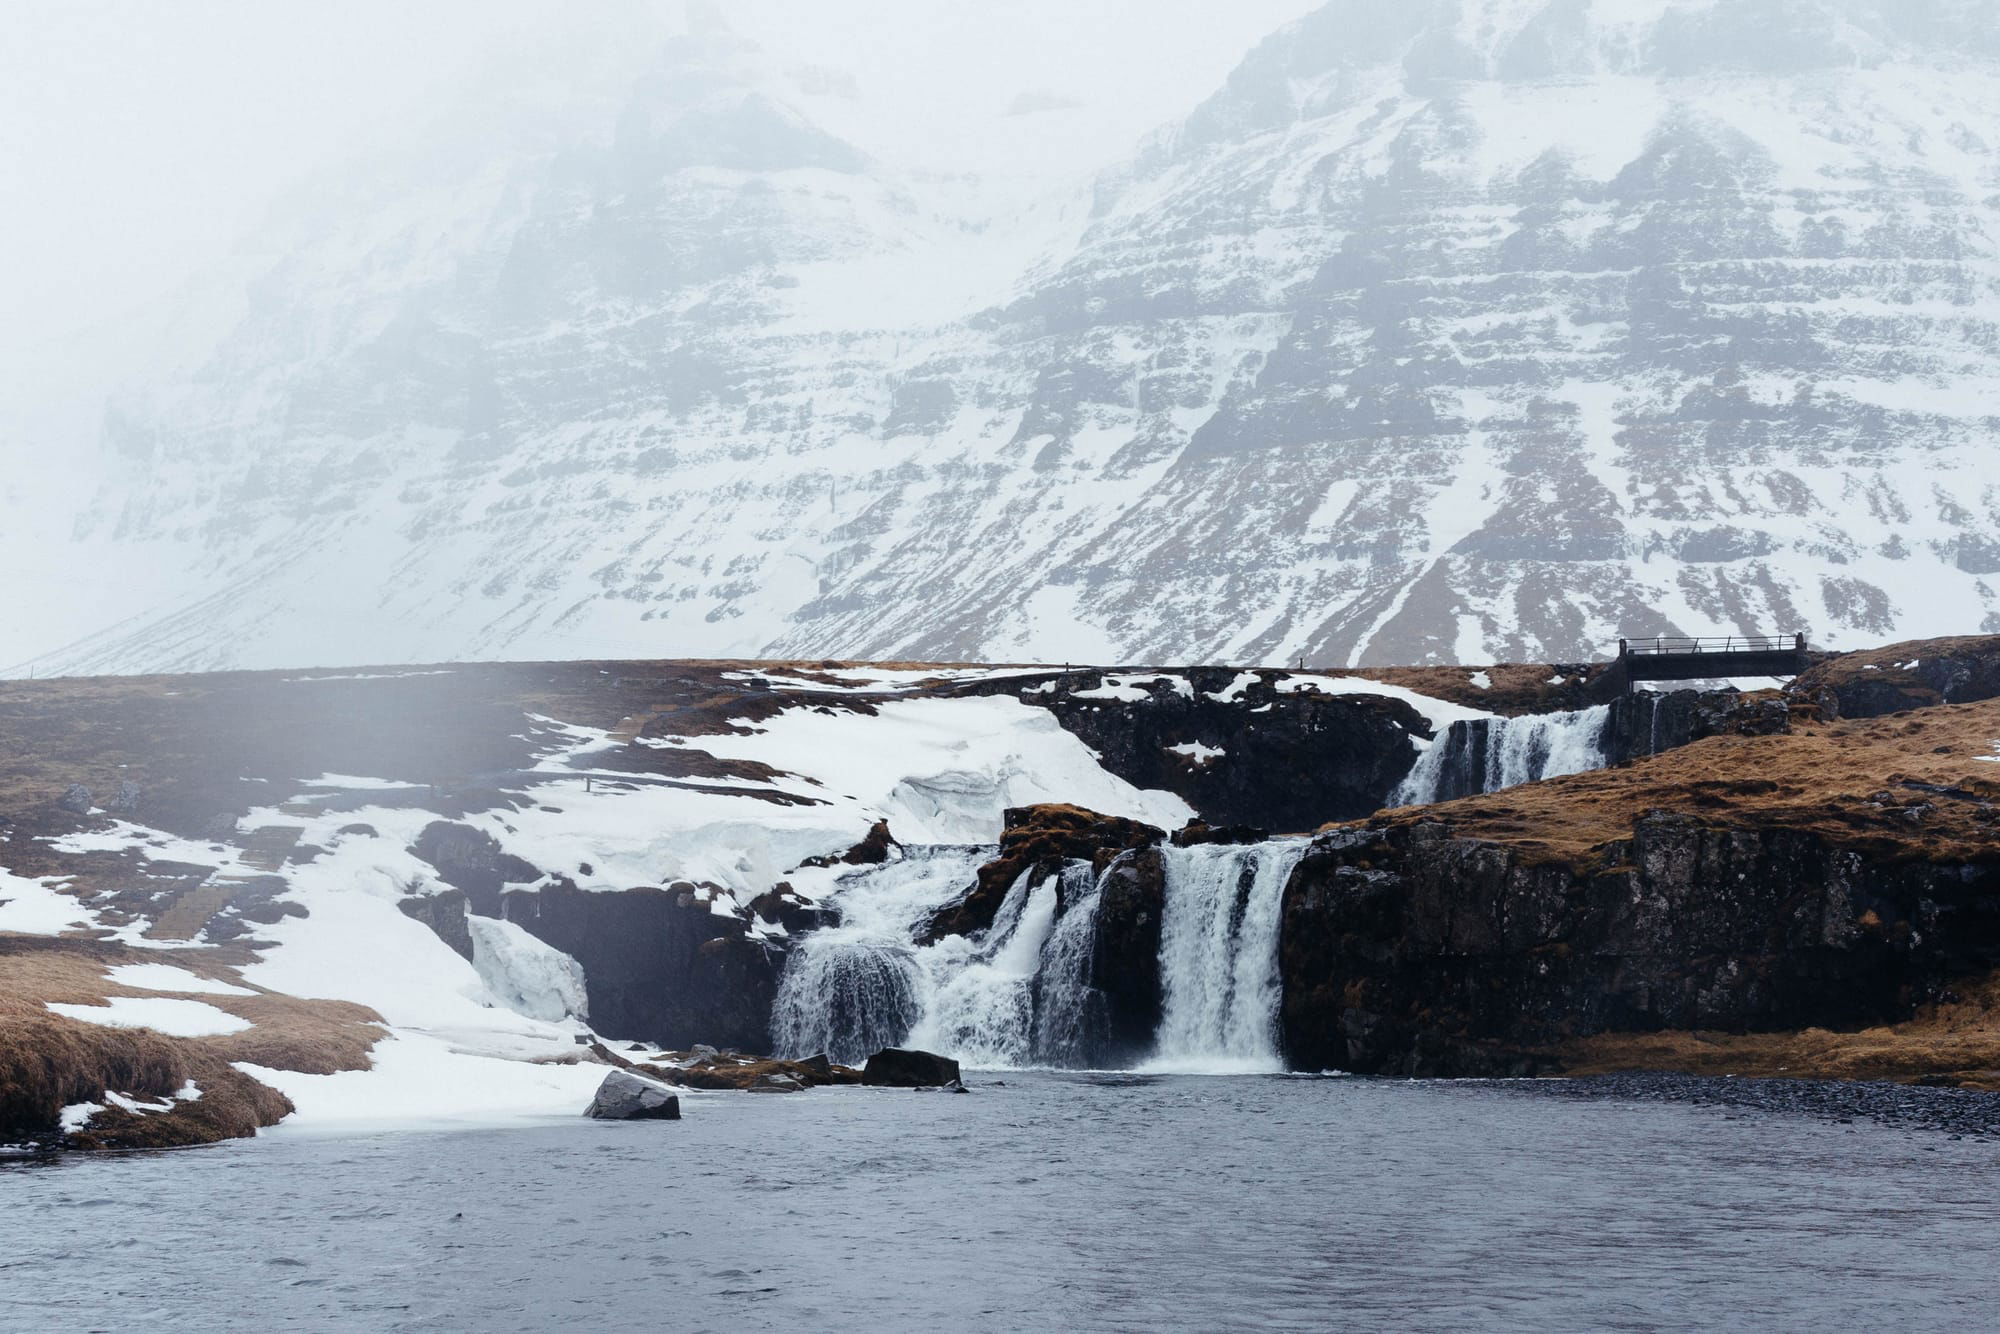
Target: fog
(1131, 331)
(155, 158)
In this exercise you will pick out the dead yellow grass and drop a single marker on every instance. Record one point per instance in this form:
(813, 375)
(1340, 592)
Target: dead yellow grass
(1957, 1042)
(48, 1061)
(1849, 782)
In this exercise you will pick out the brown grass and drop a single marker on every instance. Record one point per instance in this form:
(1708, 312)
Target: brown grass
(1957, 1042)
(49, 1060)
(1849, 782)
(1513, 688)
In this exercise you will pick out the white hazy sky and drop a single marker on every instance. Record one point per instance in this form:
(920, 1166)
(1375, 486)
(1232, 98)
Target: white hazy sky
(139, 140)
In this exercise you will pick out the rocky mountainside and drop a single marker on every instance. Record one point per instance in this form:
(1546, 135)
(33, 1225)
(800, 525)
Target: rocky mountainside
(1449, 331)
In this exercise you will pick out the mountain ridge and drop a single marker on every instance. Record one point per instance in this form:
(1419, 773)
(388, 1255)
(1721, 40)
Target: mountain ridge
(1424, 339)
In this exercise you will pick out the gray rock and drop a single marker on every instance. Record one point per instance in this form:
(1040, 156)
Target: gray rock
(126, 801)
(895, 1067)
(76, 799)
(625, 1096)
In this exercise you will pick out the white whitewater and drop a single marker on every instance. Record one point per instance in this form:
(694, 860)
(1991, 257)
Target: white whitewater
(852, 989)
(1019, 993)
(1516, 750)
(1219, 956)
(1015, 994)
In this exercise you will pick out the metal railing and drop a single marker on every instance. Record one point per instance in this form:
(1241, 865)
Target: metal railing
(1688, 644)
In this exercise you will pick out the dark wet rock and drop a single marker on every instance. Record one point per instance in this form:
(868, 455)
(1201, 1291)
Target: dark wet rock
(76, 799)
(1913, 675)
(754, 1074)
(897, 1067)
(1196, 832)
(604, 1055)
(626, 1095)
(1409, 951)
(1125, 957)
(443, 912)
(657, 963)
(781, 906)
(1038, 839)
(1290, 761)
(470, 859)
(1647, 723)
(356, 831)
(872, 850)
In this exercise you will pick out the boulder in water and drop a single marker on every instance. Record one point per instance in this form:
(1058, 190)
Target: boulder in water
(625, 1096)
(896, 1067)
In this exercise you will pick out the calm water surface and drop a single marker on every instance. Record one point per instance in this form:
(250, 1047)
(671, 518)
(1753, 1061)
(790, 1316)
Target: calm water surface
(1052, 1202)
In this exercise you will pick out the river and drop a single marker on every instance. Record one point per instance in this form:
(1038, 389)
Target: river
(1038, 1201)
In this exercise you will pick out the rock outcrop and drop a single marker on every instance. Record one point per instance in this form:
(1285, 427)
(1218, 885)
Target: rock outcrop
(1914, 675)
(1646, 723)
(896, 1067)
(1410, 950)
(1248, 753)
(1037, 839)
(657, 963)
(626, 1095)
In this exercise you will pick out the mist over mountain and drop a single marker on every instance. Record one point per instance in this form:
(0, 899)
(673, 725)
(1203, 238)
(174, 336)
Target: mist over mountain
(1468, 330)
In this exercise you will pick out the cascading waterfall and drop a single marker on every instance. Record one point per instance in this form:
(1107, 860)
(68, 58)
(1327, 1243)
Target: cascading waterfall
(855, 988)
(1017, 993)
(1021, 992)
(1487, 754)
(1219, 955)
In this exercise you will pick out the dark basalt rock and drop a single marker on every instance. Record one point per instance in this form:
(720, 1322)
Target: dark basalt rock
(1290, 761)
(1870, 685)
(444, 913)
(780, 905)
(628, 1096)
(871, 850)
(1409, 951)
(657, 964)
(470, 859)
(1646, 723)
(896, 1067)
(1039, 839)
(1125, 957)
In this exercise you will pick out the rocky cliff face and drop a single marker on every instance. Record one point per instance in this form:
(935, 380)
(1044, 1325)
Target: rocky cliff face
(1415, 952)
(1242, 749)
(1916, 675)
(1448, 331)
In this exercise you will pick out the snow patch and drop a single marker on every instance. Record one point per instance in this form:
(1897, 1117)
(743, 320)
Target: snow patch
(177, 1018)
(166, 977)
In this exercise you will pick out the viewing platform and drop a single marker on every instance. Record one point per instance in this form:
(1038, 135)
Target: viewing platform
(1681, 658)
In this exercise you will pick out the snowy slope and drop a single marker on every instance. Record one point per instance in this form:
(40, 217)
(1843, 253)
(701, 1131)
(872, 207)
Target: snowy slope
(1466, 330)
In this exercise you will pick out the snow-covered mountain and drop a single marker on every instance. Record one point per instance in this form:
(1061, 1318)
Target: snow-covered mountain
(1455, 330)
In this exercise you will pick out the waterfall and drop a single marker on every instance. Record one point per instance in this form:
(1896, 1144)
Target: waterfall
(1487, 754)
(1219, 955)
(855, 988)
(1069, 1012)
(1017, 993)
(1022, 991)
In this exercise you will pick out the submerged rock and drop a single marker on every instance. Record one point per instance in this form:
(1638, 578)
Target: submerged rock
(897, 1067)
(626, 1096)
